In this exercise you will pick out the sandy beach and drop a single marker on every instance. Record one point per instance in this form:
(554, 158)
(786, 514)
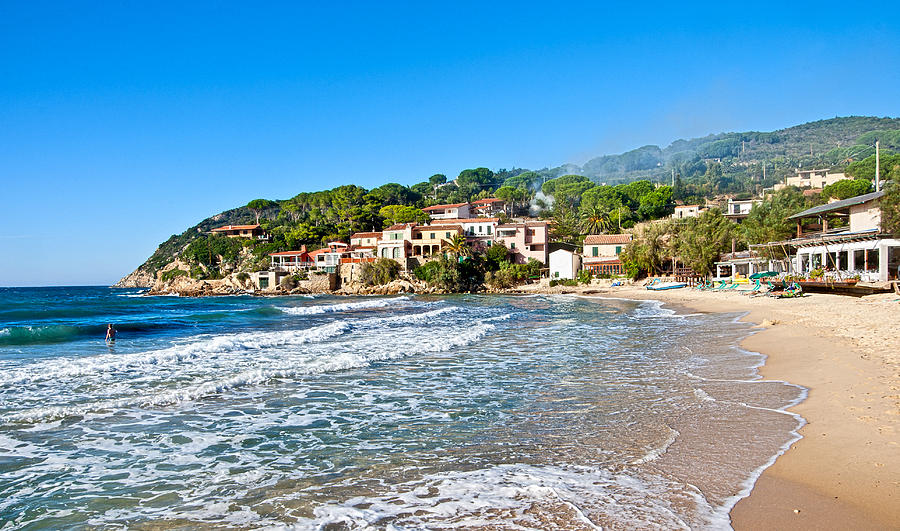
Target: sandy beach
(845, 471)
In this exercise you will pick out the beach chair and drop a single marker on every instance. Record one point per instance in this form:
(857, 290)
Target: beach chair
(752, 289)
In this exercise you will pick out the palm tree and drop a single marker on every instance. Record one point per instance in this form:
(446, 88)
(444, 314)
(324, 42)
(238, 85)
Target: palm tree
(595, 220)
(458, 246)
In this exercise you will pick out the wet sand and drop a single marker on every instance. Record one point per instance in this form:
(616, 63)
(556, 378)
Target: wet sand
(845, 471)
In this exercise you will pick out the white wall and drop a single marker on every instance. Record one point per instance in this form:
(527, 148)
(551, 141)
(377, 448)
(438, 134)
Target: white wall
(563, 264)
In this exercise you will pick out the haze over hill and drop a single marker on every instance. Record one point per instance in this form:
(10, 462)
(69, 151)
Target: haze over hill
(825, 143)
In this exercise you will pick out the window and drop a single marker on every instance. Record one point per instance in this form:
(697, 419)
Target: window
(619, 248)
(872, 259)
(512, 245)
(489, 227)
(432, 235)
(264, 281)
(447, 234)
(480, 229)
(595, 251)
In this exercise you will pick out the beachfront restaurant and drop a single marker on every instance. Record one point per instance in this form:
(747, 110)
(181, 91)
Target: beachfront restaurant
(844, 240)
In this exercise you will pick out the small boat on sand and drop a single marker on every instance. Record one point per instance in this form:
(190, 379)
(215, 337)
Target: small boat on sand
(658, 286)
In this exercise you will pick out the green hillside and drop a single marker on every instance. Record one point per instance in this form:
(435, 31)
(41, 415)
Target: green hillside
(725, 163)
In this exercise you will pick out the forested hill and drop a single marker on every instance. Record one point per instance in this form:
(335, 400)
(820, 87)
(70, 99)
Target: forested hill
(823, 144)
(738, 164)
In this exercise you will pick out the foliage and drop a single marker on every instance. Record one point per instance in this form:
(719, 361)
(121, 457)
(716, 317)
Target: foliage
(702, 239)
(889, 167)
(394, 214)
(651, 248)
(242, 276)
(380, 272)
(257, 206)
(292, 281)
(167, 276)
(585, 276)
(847, 188)
(767, 221)
(890, 209)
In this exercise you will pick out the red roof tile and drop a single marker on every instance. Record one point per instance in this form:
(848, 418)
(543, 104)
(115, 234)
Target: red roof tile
(463, 220)
(607, 239)
(288, 253)
(365, 235)
(436, 207)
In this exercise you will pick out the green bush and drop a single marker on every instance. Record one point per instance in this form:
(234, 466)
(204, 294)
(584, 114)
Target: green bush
(379, 272)
(242, 276)
(173, 273)
(570, 282)
(584, 276)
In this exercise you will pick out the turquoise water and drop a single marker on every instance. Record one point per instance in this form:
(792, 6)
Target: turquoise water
(403, 412)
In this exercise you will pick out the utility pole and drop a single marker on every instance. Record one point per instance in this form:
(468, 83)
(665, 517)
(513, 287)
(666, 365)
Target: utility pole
(877, 166)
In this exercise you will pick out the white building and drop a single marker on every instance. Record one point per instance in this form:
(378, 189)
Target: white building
(737, 210)
(811, 179)
(565, 263)
(454, 211)
(686, 211)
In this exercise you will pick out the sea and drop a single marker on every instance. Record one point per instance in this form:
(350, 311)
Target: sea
(400, 412)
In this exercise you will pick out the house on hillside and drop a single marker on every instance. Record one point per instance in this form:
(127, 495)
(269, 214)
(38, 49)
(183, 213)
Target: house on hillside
(601, 253)
(395, 242)
(529, 239)
(454, 211)
(365, 239)
(736, 210)
(488, 208)
(564, 262)
(686, 211)
(479, 232)
(815, 179)
(428, 241)
(328, 258)
(291, 260)
(241, 231)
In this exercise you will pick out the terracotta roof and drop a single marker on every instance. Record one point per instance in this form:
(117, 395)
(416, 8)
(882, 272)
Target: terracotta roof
(487, 201)
(463, 220)
(687, 206)
(365, 235)
(401, 226)
(606, 239)
(436, 207)
(235, 227)
(426, 228)
(317, 252)
(288, 253)
(361, 247)
(524, 224)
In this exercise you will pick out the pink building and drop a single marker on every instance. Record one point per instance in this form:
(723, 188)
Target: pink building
(525, 240)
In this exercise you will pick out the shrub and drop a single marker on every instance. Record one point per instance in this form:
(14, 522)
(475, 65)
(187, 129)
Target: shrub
(172, 273)
(242, 276)
(291, 282)
(584, 276)
(380, 272)
(570, 282)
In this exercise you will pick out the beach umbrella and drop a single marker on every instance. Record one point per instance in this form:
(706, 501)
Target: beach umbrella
(764, 274)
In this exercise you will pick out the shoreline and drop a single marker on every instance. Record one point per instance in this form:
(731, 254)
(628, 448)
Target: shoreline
(843, 470)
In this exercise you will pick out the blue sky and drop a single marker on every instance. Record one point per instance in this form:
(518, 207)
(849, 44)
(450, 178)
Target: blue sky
(121, 124)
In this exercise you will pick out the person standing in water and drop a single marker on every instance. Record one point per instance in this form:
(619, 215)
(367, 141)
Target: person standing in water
(110, 334)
